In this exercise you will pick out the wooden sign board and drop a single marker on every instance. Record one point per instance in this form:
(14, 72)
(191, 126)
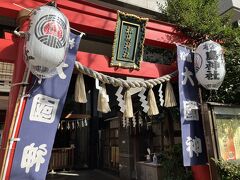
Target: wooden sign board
(128, 41)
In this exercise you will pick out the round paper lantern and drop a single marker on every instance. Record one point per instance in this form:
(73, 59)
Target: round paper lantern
(209, 65)
(46, 41)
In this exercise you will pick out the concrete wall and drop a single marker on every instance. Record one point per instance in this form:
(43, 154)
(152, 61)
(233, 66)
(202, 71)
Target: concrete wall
(236, 3)
(144, 8)
(230, 6)
(224, 6)
(146, 4)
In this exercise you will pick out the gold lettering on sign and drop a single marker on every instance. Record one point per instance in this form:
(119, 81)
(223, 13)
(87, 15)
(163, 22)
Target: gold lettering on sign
(127, 44)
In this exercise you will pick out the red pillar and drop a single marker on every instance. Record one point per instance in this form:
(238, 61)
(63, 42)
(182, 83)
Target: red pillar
(18, 75)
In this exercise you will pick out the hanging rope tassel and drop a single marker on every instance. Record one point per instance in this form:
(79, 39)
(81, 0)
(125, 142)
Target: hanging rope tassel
(80, 93)
(170, 100)
(128, 104)
(153, 109)
(103, 100)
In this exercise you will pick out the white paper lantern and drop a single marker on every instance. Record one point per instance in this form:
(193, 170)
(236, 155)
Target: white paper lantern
(209, 65)
(47, 42)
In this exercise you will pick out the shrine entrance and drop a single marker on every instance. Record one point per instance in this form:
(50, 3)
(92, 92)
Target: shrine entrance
(87, 139)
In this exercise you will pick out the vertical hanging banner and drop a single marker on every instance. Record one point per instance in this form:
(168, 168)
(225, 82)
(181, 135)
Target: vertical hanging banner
(40, 120)
(193, 143)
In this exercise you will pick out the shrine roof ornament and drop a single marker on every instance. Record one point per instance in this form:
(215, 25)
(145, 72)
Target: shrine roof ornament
(129, 39)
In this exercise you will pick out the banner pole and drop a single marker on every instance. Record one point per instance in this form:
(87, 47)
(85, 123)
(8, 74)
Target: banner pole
(20, 105)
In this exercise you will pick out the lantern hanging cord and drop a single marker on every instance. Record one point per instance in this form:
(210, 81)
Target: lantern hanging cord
(150, 83)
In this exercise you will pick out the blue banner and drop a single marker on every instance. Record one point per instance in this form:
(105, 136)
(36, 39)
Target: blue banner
(40, 120)
(193, 143)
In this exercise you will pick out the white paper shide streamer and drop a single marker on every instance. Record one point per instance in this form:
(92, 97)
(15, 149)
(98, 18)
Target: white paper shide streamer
(120, 100)
(160, 91)
(134, 121)
(143, 100)
(83, 124)
(127, 122)
(140, 121)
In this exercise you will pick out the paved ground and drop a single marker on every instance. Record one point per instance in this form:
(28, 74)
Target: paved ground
(81, 175)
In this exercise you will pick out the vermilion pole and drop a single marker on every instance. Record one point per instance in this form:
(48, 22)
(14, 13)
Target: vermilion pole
(201, 172)
(14, 97)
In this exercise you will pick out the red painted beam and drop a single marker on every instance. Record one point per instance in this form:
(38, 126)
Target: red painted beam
(87, 8)
(110, 14)
(100, 63)
(97, 20)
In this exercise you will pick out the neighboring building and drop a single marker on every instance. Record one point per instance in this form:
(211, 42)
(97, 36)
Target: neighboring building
(144, 8)
(104, 144)
(152, 5)
(232, 7)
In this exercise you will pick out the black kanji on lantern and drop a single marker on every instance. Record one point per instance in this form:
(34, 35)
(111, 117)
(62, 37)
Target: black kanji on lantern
(212, 65)
(212, 75)
(211, 55)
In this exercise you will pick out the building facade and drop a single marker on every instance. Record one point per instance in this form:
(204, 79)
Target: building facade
(232, 7)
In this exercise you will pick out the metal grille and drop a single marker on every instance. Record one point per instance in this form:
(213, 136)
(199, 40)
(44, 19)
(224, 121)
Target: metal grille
(6, 72)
